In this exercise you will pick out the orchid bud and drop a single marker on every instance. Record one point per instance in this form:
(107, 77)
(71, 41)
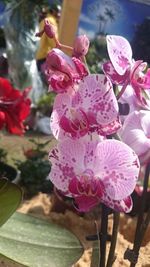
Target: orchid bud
(81, 46)
(49, 29)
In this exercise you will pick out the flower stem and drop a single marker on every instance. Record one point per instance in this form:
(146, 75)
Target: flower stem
(103, 235)
(111, 256)
(123, 89)
(85, 62)
(141, 222)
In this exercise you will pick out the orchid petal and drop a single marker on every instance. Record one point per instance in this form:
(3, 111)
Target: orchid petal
(85, 204)
(120, 53)
(113, 75)
(124, 205)
(106, 171)
(97, 99)
(62, 102)
(119, 168)
(62, 71)
(135, 131)
(66, 160)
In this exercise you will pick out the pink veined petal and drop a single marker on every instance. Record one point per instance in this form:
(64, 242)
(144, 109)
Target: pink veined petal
(113, 75)
(61, 104)
(67, 160)
(119, 168)
(55, 127)
(73, 153)
(89, 109)
(110, 128)
(124, 205)
(109, 109)
(145, 122)
(110, 176)
(91, 161)
(120, 53)
(97, 98)
(135, 131)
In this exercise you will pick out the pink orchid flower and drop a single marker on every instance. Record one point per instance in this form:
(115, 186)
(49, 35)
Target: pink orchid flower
(136, 133)
(92, 108)
(62, 71)
(122, 69)
(92, 172)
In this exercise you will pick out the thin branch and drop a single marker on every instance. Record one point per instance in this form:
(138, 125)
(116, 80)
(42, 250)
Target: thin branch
(141, 223)
(103, 235)
(111, 256)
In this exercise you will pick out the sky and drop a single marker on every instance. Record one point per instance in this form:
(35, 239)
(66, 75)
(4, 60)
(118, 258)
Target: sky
(127, 14)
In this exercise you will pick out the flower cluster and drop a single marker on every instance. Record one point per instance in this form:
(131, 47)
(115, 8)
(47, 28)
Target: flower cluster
(14, 107)
(96, 159)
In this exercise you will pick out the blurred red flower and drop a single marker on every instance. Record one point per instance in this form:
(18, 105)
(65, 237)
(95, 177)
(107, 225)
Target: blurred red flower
(14, 107)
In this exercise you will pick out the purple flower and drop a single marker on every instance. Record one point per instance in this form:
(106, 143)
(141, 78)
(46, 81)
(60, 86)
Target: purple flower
(92, 172)
(62, 71)
(136, 133)
(91, 108)
(123, 70)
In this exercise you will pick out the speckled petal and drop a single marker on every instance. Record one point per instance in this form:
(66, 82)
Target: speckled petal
(136, 131)
(61, 105)
(124, 205)
(120, 53)
(97, 98)
(119, 168)
(110, 71)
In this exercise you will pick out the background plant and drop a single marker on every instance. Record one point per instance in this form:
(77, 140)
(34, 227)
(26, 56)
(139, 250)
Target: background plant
(34, 169)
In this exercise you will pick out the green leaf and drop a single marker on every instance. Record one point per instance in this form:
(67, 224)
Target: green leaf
(38, 243)
(6, 262)
(10, 198)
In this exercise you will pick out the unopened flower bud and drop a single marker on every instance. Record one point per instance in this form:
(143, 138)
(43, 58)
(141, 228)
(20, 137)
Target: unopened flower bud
(49, 29)
(81, 46)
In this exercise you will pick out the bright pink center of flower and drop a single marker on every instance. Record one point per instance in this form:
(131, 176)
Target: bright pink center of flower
(86, 184)
(77, 123)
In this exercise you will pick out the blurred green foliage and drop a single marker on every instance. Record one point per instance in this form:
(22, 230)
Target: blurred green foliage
(35, 169)
(45, 103)
(97, 54)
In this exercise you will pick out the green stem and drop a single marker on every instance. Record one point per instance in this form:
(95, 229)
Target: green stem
(123, 89)
(85, 62)
(111, 256)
